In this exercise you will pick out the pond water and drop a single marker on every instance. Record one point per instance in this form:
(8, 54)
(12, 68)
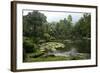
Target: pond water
(76, 47)
(82, 46)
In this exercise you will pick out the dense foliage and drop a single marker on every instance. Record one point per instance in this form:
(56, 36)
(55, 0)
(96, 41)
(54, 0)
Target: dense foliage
(38, 33)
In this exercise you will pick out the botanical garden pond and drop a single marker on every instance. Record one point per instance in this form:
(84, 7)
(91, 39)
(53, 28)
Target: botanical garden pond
(56, 40)
(61, 50)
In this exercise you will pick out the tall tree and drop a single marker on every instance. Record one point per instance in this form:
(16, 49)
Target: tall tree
(69, 27)
(83, 26)
(32, 23)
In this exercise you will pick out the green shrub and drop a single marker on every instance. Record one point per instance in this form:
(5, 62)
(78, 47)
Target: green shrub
(51, 46)
(28, 45)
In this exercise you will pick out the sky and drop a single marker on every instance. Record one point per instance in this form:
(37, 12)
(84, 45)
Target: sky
(53, 16)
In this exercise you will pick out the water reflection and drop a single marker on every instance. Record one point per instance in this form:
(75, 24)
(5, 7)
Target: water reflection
(79, 46)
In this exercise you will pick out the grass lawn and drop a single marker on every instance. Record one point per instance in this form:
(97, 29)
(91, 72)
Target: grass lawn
(55, 58)
(49, 58)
